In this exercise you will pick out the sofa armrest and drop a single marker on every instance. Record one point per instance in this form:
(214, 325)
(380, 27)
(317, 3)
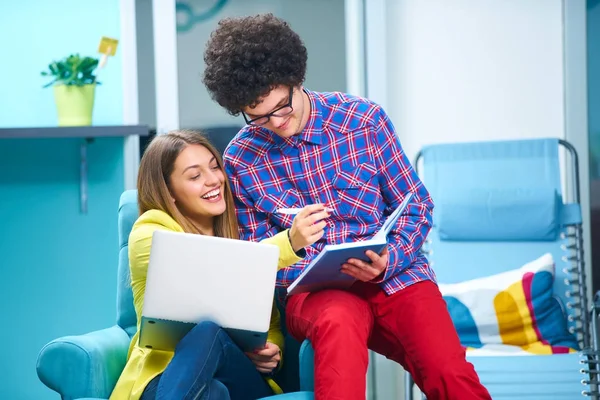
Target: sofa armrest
(85, 365)
(307, 366)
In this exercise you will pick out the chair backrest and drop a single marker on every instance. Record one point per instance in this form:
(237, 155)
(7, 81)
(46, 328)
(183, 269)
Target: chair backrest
(498, 206)
(128, 213)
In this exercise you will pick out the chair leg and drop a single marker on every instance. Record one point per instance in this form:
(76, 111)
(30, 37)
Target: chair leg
(408, 386)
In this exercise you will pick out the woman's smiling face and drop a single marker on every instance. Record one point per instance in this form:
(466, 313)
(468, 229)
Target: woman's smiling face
(197, 185)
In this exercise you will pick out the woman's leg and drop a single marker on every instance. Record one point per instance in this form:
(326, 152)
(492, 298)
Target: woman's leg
(208, 365)
(150, 390)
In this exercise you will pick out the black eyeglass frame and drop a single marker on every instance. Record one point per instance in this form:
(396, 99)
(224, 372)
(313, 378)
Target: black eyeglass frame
(267, 117)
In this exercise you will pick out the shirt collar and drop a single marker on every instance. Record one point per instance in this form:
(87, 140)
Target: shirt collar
(313, 130)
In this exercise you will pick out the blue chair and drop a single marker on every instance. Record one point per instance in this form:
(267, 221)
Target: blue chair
(88, 366)
(495, 206)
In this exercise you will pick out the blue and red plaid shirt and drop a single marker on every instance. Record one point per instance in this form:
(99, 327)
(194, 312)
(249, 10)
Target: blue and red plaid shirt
(348, 157)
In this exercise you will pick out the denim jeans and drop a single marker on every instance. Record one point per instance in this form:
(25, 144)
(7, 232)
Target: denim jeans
(208, 365)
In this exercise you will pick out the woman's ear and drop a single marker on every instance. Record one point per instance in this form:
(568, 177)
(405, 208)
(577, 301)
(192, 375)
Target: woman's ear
(171, 197)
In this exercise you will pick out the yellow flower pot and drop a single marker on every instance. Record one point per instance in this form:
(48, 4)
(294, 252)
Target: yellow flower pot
(74, 104)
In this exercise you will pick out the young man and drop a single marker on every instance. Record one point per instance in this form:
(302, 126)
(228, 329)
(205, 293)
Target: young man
(301, 147)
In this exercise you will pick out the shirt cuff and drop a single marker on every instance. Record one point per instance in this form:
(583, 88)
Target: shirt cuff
(391, 267)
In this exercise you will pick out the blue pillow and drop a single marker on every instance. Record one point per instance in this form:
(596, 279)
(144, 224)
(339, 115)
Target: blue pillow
(498, 214)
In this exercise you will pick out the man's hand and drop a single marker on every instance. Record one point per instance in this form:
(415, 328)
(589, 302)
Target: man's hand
(365, 271)
(267, 359)
(308, 226)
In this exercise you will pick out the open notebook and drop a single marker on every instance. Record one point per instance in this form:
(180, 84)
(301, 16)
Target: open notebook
(324, 270)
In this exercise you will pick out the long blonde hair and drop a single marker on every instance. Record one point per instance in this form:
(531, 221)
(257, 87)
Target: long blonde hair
(154, 175)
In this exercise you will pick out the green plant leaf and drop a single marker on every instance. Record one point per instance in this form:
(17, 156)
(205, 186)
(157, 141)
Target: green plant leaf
(72, 70)
(49, 84)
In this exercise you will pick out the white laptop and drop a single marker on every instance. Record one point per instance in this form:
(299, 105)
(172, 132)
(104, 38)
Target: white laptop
(194, 278)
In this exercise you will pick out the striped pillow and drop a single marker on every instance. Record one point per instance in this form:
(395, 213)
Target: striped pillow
(515, 308)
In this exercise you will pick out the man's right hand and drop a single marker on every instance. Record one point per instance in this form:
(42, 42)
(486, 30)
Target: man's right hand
(308, 226)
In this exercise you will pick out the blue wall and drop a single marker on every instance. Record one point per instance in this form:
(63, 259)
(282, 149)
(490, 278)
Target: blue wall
(36, 33)
(57, 266)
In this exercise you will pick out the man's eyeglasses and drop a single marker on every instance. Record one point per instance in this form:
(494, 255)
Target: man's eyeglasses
(279, 112)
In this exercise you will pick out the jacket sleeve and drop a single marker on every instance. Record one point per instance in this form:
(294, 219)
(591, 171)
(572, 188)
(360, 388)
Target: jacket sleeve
(287, 256)
(275, 334)
(140, 242)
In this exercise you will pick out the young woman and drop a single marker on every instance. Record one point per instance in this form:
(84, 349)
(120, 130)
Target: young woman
(182, 187)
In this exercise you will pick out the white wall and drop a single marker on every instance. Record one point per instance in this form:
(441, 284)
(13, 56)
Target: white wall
(319, 23)
(468, 70)
(475, 69)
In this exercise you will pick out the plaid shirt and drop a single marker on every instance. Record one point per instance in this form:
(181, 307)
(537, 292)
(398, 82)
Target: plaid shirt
(348, 157)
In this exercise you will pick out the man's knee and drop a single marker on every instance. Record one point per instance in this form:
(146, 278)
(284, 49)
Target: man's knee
(331, 313)
(341, 315)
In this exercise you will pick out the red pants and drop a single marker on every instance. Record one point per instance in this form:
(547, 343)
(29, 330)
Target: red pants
(411, 327)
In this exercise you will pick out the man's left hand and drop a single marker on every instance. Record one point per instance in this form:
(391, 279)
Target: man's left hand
(367, 271)
(266, 359)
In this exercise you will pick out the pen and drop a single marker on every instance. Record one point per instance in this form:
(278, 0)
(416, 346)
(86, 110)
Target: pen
(294, 211)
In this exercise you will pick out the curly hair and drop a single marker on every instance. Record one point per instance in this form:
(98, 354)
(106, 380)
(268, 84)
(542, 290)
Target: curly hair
(248, 57)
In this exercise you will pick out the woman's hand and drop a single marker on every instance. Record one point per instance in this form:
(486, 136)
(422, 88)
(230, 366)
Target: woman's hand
(308, 226)
(267, 359)
(365, 271)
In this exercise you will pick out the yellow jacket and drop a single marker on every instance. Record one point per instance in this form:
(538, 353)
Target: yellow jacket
(145, 364)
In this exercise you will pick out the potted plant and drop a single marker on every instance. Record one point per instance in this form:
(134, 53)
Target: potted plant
(74, 83)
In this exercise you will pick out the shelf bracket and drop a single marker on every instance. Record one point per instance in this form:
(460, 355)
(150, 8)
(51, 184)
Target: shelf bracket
(83, 175)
